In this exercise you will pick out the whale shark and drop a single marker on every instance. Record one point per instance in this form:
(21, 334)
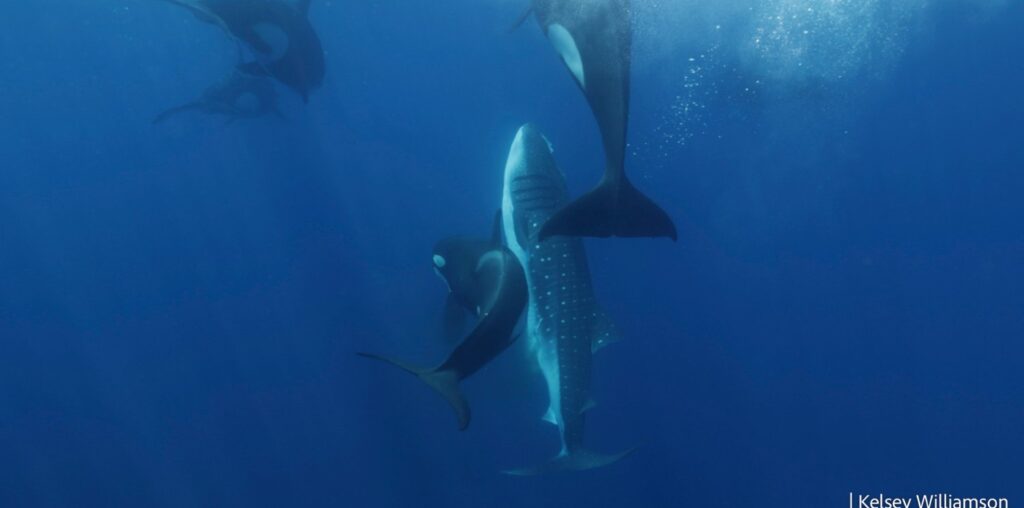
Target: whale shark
(279, 34)
(564, 324)
(594, 39)
(499, 273)
(238, 96)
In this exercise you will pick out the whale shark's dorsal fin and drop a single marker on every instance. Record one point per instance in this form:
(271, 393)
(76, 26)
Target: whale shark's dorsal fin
(303, 6)
(590, 404)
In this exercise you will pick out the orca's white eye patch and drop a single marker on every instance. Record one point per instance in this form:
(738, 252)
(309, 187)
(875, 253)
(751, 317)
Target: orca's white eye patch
(439, 261)
(564, 44)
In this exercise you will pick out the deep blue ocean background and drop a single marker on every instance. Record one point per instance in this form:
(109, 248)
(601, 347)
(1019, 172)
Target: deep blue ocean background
(180, 304)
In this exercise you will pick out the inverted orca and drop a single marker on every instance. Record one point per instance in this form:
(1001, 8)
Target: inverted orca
(279, 34)
(499, 271)
(238, 96)
(564, 324)
(594, 38)
(455, 261)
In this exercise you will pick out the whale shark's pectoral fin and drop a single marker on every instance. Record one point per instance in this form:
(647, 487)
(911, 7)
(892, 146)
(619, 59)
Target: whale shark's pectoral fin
(445, 382)
(613, 208)
(521, 19)
(578, 460)
(604, 332)
(551, 417)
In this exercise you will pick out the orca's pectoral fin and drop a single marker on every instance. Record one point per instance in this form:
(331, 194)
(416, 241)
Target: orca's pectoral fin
(610, 209)
(521, 19)
(444, 382)
(453, 320)
(497, 229)
(579, 460)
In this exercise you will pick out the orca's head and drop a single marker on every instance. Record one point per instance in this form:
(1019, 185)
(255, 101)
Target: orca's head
(455, 261)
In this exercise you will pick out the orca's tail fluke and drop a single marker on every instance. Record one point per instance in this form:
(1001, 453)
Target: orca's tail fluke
(613, 208)
(174, 111)
(444, 382)
(579, 460)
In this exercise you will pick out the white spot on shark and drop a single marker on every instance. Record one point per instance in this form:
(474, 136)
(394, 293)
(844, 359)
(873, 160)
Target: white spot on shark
(439, 261)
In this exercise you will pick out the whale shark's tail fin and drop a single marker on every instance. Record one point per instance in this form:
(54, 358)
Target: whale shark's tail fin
(175, 110)
(445, 382)
(613, 208)
(578, 460)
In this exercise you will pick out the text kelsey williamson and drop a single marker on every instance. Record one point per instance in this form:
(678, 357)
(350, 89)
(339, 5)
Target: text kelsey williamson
(925, 501)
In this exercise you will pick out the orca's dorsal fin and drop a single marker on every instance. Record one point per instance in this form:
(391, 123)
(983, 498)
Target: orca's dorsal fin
(497, 229)
(521, 19)
(303, 6)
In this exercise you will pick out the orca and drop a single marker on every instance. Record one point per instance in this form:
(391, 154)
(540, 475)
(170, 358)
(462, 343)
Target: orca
(455, 260)
(594, 39)
(499, 276)
(238, 96)
(564, 324)
(277, 32)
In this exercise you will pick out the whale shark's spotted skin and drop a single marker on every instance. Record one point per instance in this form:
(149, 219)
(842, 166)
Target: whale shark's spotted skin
(564, 323)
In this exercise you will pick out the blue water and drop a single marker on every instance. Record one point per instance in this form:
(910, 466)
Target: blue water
(180, 304)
